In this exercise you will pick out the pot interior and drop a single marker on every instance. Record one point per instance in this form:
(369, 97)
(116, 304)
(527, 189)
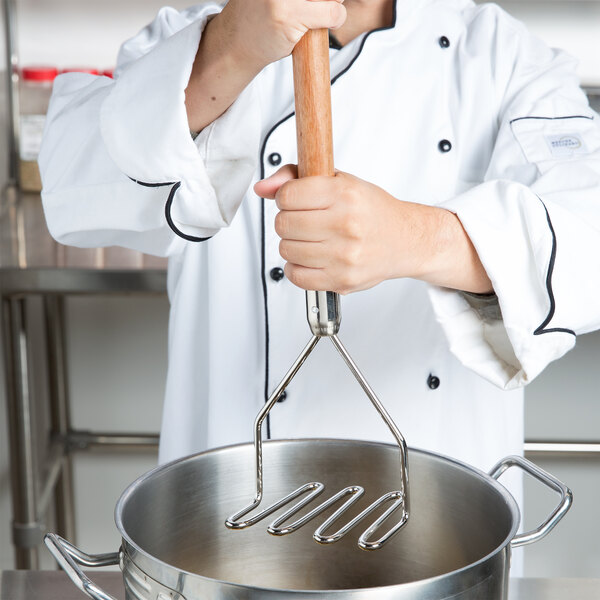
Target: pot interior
(176, 514)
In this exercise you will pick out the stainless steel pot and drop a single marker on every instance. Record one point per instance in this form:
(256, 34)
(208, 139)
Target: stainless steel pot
(457, 544)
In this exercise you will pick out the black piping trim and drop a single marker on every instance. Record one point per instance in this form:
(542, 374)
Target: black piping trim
(145, 184)
(262, 210)
(333, 42)
(263, 278)
(168, 205)
(553, 118)
(176, 185)
(362, 44)
(541, 329)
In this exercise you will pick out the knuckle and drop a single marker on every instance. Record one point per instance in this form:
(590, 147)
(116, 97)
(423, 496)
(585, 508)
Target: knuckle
(296, 276)
(282, 224)
(351, 226)
(337, 14)
(284, 195)
(351, 256)
(284, 250)
(352, 196)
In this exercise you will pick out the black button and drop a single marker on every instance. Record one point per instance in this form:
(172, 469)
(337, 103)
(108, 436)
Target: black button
(282, 396)
(444, 42)
(275, 158)
(277, 274)
(433, 382)
(444, 146)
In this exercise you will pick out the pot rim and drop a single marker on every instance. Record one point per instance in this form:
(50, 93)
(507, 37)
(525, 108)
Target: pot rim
(507, 496)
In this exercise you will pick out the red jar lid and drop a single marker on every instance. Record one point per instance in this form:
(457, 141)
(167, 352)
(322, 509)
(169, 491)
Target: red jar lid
(89, 70)
(39, 73)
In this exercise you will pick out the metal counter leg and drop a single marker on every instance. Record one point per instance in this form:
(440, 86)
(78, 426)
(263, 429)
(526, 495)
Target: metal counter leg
(59, 403)
(27, 533)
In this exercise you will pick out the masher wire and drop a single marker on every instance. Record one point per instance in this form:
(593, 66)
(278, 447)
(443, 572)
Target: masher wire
(399, 498)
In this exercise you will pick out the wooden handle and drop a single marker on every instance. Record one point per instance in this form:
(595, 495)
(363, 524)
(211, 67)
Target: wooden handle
(312, 89)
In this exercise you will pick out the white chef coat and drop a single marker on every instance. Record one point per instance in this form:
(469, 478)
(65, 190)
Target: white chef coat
(491, 125)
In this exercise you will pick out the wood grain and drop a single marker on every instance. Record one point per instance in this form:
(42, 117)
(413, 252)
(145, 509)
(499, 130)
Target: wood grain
(312, 90)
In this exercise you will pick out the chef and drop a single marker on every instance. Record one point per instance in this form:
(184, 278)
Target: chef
(462, 225)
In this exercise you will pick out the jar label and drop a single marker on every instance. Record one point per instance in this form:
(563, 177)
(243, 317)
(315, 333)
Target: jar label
(32, 129)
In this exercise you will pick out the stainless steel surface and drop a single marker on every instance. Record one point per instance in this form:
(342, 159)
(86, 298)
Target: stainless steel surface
(27, 531)
(30, 495)
(533, 448)
(323, 312)
(70, 558)
(54, 320)
(52, 585)
(12, 74)
(55, 465)
(233, 522)
(84, 440)
(399, 498)
(81, 281)
(566, 497)
(387, 419)
(456, 545)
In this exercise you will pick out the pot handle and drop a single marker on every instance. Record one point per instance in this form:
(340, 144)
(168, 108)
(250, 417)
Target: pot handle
(69, 558)
(566, 497)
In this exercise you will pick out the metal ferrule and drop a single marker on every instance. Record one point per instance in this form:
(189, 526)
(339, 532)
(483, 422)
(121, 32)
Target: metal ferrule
(323, 312)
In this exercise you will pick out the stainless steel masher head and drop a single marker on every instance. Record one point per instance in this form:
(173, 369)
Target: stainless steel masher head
(323, 309)
(315, 157)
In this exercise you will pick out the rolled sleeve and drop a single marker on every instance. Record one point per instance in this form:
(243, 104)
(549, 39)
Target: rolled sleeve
(144, 126)
(508, 226)
(118, 163)
(535, 224)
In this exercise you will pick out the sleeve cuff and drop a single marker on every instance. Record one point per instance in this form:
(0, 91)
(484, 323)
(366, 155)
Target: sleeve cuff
(143, 120)
(145, 129)
(510, 229)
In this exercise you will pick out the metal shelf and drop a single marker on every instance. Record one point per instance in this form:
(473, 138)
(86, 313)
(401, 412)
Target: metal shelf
(33, 265)
(16, 282)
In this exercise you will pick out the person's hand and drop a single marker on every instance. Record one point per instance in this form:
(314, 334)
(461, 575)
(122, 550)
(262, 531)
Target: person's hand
(264, 31)
(343, 234)
(240, 41)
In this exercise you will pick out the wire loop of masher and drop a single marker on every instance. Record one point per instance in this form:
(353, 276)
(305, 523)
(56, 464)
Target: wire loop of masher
(399, 497)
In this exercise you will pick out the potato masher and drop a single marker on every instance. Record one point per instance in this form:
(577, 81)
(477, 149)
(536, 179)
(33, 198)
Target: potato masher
(315, 157)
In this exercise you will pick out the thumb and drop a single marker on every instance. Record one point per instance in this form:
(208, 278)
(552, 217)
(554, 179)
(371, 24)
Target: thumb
(267, 188)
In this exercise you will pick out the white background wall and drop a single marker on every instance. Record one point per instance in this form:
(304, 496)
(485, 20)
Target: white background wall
(117, 347)
(75, 32)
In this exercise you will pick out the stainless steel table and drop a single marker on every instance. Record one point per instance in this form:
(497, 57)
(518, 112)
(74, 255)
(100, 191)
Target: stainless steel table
(51, 464)
(54, 585)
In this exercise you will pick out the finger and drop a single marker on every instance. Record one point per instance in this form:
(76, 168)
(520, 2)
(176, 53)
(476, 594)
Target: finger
(306, 254)
(323, 14)
(306, 278)
(308, 193)
(302, 226)
(267, 188)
